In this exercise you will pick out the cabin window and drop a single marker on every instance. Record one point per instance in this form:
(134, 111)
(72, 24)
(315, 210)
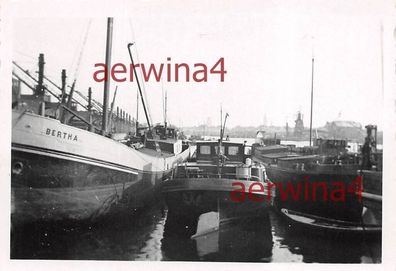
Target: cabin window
(204, 149)
(171, 133)
(217, 149)
(247, 150)
(233, 150)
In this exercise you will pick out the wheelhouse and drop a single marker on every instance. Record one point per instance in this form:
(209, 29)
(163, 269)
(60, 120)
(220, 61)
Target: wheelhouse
(233, 152)
(233, 163)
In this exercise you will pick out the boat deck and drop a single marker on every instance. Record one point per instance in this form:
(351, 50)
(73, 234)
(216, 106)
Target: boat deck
(155, 153)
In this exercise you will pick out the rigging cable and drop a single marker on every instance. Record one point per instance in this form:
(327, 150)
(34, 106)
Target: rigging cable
(140, 72)
(82, 51)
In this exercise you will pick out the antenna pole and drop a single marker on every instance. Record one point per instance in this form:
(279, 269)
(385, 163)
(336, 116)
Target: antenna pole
(137, 113)
(221, 120)
(166, 105)
(221, 155)
(312, 88)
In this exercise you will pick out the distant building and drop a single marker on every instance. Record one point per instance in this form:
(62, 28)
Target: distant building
(344, 129)
(263, 139)
(299, 127)
(260, 134)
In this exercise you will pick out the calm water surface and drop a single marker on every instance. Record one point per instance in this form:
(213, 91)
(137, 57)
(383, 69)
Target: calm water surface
(155, 236)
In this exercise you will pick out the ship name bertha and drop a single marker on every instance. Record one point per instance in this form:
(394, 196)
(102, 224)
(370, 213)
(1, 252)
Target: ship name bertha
(60, 134)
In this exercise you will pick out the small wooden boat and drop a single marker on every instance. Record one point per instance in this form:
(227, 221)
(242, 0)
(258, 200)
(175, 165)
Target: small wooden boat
(329, 224)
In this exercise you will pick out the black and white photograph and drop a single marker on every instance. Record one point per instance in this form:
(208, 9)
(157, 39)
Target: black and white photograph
(198, 131)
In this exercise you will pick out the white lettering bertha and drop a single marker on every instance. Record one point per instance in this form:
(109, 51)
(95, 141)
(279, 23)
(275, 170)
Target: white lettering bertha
(60, 134)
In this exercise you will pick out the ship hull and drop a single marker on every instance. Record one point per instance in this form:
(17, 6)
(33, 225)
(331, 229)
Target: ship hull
(62, 173)
(193, 197)
(372, 195)
(55, 189)
(334, 197)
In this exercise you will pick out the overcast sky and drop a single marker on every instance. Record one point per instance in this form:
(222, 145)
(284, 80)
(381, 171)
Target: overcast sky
(267, 47)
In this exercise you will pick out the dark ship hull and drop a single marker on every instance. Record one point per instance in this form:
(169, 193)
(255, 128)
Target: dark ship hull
(195, 196)
(330, 193)
(221, 227)
(372, 194)
(61, 173)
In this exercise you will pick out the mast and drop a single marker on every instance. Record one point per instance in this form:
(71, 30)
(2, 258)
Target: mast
(63, 97)
(112, 108)
(221, 120)
(107, 81)
(312, 88)
(164, 108)
(220, 154)
(89, 107)
(140, 90)
(137, 113)
(40, 87)
(39, 92)
(68, 102)
(223, 128)
(165, 112)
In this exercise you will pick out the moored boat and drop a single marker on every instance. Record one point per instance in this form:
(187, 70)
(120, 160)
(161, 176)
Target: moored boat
(66, 168)
(62, 172)
(332, 188)
(332, 225)
(228, 185)
(307, 185)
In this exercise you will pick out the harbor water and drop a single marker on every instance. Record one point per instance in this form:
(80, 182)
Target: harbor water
(151, 236)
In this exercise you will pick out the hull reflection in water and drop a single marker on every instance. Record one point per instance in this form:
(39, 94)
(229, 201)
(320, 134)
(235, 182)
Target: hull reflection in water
(308, 245)
(209, 238)
(155, 235)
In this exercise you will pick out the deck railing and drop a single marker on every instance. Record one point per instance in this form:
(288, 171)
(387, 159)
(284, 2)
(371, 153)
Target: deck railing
(190, 173)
